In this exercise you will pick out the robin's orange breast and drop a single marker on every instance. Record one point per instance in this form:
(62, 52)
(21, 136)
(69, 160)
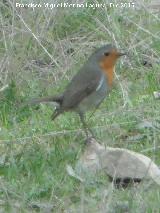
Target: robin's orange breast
(107, 64)
(108, 67)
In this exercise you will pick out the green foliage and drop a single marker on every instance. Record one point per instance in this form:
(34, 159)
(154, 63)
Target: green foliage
(73, 21)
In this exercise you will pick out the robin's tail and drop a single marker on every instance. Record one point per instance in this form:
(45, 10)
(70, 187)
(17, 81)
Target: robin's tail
(57, 99)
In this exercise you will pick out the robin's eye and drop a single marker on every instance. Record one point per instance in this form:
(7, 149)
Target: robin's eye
(106, 54)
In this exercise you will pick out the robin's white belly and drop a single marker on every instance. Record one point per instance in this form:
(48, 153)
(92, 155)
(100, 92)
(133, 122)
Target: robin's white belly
(94, 99)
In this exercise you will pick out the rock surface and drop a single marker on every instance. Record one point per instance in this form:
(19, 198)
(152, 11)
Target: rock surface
(118, 163)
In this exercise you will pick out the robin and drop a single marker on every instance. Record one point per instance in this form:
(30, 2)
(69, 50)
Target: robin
(89, 86)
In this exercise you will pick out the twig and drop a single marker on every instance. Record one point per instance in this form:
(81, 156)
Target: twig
(64, 132)
(4, 87)
(150, 149)
(35, 37)
(144, 30)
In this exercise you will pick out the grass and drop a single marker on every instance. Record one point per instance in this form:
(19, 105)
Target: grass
(40, 52)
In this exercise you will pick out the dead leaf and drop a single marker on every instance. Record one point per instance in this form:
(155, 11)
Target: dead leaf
(146, 124)
(156, 94)
(46, 207)
(135, 138)
(72, 173)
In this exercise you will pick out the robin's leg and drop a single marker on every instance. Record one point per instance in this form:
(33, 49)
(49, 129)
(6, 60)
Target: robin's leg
(86, 129)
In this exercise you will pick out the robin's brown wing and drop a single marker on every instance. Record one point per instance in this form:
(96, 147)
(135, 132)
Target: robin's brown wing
(83, 84)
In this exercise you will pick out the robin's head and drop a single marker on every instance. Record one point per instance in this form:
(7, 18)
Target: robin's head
(108, 54)
(106, 57)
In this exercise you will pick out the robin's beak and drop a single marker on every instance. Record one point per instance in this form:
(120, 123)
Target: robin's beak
(121, 54)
